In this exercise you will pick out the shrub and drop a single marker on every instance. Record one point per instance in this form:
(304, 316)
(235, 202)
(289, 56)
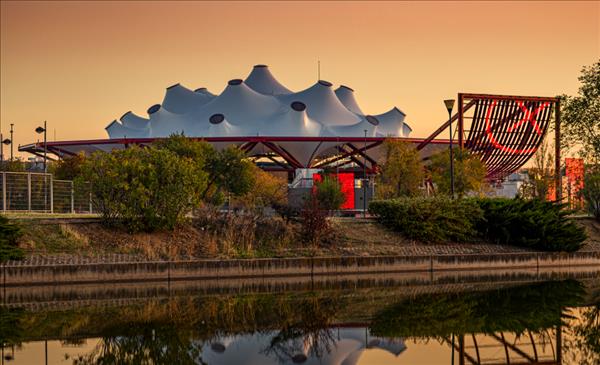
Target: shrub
(329, 193)
(9, 234)
(430, 219)
(315, 227)
(533, 224)
(144, 188)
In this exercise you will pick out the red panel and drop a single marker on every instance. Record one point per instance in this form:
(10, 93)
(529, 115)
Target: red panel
(346, 179)
(574, 170)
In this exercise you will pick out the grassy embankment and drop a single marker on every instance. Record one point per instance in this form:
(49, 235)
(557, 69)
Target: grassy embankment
(237, 238)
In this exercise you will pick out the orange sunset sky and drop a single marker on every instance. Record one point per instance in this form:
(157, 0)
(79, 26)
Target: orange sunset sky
(79, 65)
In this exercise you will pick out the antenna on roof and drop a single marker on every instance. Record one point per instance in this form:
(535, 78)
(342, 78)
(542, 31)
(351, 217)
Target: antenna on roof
(318, 69)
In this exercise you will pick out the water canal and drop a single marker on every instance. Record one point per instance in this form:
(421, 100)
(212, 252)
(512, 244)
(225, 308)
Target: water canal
(380, 319)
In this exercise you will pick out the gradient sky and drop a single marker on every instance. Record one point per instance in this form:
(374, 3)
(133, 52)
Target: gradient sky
(79, 65)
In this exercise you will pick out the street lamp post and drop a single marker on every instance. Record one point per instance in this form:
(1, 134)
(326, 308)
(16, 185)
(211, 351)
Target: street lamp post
(40, 130)
(364, 185)
(11, 141)
(449, 105)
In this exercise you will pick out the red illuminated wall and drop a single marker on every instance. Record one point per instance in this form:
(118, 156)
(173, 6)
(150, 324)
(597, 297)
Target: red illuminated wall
(574, 171)
(346, 179)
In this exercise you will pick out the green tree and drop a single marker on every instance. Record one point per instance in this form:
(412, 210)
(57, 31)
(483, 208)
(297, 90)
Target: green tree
(580, 122)
(144, 188)
(329, 193)
(469, 172)
(16, 165)
(591, 192)
(228, 169)
(540, 175)
(67, 168)
(402, 172)
(230, 172)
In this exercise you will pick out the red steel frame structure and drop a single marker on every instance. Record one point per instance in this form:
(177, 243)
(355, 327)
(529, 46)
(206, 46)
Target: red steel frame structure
(504, 130)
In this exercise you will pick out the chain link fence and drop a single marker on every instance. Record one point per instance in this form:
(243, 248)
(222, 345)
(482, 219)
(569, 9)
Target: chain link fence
(38, 192)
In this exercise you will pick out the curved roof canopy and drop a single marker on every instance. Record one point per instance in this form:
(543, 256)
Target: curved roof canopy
(259, 106)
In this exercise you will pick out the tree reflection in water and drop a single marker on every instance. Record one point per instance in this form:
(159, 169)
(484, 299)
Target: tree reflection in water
(310, 334)
(301, 325)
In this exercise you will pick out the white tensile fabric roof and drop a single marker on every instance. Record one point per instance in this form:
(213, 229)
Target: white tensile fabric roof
(261, 106)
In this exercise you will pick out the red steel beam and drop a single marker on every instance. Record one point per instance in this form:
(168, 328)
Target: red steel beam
(430, 139)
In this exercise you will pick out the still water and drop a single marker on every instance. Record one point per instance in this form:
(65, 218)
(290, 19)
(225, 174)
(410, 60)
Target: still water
(342, 323)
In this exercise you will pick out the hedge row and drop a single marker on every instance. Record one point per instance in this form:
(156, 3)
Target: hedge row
(430, 220)
(532, 224)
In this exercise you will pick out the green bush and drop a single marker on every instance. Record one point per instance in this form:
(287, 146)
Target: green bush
(430, 219)
(9, 234)
(329, 193)
(143, 188)
(533, 224)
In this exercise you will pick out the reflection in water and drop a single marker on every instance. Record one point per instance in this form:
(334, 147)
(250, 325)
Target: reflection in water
(524, 324)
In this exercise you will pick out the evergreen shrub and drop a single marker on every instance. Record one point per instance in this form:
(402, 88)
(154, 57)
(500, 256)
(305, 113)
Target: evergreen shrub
(534, 224)
(9, 234)
(438, 219)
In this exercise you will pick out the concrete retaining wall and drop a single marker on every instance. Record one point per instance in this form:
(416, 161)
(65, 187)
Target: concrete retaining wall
(14, 274)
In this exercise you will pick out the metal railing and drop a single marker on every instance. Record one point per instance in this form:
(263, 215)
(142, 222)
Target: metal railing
(39, 192)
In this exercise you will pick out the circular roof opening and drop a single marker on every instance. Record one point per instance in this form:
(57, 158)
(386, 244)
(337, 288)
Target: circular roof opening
(346, 87)
(371, 119)
(298, 106)
(200, 89)
(260, 66)
(218, 347)
(299, 359)
(325, 83)
(216, 118)
(235, 82)
(153, 109)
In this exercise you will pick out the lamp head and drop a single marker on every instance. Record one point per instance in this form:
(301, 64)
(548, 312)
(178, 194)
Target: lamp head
(449, 104)
(6, 141)
(40, 130)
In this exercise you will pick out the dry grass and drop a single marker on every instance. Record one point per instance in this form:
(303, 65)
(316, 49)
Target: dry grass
(241, 237)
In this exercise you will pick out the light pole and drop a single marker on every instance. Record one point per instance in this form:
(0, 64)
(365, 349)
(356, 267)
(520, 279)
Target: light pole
(11, 141)
(40, 130)
(364, 187)
(449, 105)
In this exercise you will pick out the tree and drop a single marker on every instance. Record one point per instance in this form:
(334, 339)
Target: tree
(16, 165)
(68, 168)
(143, 188)
(469, 172)
(402, 172)
(329, 193)
(228, 169)
(580, 122)
(268, 191)
(591, 192)
(540, 175)
(229, 172)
